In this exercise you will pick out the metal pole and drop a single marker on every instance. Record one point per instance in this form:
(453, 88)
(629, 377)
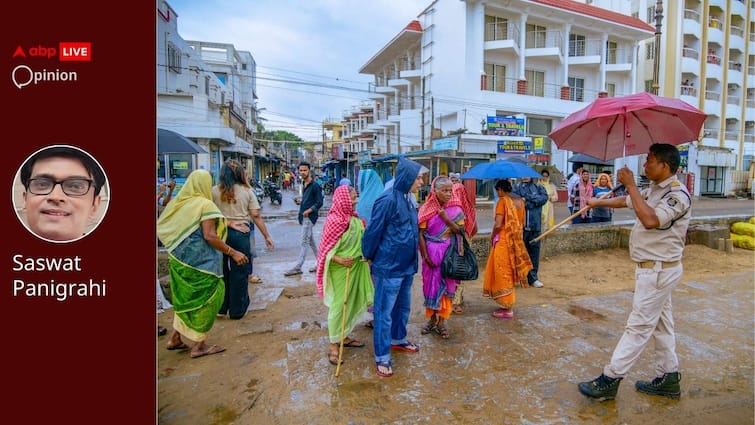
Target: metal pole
(657, 55)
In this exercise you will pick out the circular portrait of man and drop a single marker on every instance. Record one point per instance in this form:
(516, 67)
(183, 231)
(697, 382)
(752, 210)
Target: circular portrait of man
(60, 193)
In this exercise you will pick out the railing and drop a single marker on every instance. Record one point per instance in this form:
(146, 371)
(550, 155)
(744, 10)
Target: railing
(738, 179)
(585, 47)
(692, 14)
(735, 30)
(688, 90)
(713, 58)
(496, 31)
(735, 66)
(618, 55)
(749, 138)
(688, 52)
(715, 23)
(550, 38)
(750, 103)
(710, 132)
(553, 91)
(713, 95)
(731, 135)
(732, 100)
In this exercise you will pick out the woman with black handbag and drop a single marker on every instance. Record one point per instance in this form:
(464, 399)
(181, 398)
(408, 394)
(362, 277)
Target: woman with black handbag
(440, 219)
(508, 262)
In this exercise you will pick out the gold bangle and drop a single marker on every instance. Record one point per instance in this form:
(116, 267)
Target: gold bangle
(229, 251)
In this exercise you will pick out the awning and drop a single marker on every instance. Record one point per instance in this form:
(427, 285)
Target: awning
(587, 159)
(169, 141)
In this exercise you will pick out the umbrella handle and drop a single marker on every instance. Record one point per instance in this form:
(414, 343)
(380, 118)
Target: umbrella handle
(567, 219)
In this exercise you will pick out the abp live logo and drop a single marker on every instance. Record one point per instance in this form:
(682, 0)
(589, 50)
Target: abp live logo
(66, 51)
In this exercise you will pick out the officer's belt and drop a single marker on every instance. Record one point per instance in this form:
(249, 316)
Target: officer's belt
(664, 264)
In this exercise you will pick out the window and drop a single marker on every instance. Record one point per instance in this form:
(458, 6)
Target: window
(651, 15)
(207, 86)
(496, 28)
(535, 82)
(576, 45)
(611, 47)
(649, 86)
(496, 77)
(174, 58)
(611, 89)
(535, 36)
(576, 89)
(650, 50)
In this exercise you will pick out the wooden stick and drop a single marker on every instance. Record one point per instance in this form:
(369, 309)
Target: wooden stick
(567, 219)
(343, 320)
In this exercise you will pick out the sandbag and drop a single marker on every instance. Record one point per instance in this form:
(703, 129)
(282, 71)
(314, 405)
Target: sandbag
(742, 228)
(743, 241)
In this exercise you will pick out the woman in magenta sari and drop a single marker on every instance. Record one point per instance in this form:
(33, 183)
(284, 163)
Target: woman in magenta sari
(440, 217)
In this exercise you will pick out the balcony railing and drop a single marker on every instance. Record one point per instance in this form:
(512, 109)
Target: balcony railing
(713, 58)
(495, 31)
(713, 95)
(751, 103)
(585, 47)
(735, 66)
(715, 23)
(732, 100)
(618, 55)
(710, 132)
(731, 135)
(751, 70)
(691, 53)
(688, 90)
(692, 14)
(540, 39)
(738, 31)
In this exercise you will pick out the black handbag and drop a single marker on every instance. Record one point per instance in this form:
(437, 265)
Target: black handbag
(460, 262)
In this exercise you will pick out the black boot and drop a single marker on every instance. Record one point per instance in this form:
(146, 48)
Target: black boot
(601, 388)
(666, 385)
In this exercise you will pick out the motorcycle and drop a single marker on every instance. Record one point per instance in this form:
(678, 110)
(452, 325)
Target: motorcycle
(272, 191)
(258, 190)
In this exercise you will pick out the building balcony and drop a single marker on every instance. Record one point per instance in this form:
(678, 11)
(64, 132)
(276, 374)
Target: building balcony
(712, 102)
(413, 75)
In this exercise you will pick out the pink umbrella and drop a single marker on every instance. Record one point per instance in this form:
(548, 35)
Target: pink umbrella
(612, 127)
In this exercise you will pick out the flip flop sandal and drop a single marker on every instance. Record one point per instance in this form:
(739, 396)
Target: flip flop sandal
(370, 325)
(181, 346)
(353, 343)
(442, 331)
(407, 346)
(293, 272)
(429, 327)
(212, 350)
(384, 364)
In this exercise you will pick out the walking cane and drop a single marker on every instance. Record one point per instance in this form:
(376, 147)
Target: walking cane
(568, 219)
(343, 319)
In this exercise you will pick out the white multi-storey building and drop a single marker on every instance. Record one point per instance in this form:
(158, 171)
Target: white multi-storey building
(707, 58)
(464, 63)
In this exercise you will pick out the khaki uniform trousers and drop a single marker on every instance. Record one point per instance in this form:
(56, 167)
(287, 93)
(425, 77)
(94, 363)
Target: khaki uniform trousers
(651, 318)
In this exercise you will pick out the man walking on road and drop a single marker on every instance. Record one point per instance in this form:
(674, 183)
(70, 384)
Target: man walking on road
(309, 206)
(535, 196)
(656, 245)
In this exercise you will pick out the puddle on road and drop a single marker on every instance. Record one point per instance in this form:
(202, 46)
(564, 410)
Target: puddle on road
(584, 314)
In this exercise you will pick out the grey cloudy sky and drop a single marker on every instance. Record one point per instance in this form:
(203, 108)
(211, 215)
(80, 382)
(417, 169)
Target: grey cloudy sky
(319, 43)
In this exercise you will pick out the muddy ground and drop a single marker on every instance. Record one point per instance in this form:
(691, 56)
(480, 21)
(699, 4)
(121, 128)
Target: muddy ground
(275, 369)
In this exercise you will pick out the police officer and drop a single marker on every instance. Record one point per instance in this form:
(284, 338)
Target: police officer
(655, 245)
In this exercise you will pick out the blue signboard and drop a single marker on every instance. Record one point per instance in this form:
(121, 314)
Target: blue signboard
(505, 126)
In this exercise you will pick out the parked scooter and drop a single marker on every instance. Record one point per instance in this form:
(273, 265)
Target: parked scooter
(273, 192)
(258, 190)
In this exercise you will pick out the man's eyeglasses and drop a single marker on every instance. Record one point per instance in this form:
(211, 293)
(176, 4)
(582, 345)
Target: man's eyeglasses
(71, 187)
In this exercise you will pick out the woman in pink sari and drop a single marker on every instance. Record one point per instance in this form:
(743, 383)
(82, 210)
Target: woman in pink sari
(440, 217)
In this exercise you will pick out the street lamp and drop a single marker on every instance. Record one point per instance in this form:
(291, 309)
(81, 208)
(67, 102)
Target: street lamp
(657, 56)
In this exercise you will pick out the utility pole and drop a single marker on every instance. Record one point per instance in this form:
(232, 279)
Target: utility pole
(657, 55)
(422, 115)
(432, 118)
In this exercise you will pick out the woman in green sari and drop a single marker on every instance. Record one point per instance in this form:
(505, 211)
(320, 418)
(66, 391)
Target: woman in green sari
(193, 230)
(343, 278)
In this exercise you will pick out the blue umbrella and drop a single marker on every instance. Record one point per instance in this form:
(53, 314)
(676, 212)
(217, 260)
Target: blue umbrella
(500, 169)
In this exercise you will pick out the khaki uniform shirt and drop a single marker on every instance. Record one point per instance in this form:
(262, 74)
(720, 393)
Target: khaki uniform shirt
(671, 202)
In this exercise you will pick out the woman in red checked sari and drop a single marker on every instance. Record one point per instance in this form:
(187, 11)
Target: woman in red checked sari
(508, 261)
(440, 217)
(339, 263)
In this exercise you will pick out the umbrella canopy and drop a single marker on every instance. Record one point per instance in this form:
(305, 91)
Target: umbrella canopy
(500, 169)
(587, 159)
(171, 142)
(612, 127)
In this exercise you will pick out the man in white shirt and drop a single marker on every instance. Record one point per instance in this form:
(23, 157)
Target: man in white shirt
(573, 180)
